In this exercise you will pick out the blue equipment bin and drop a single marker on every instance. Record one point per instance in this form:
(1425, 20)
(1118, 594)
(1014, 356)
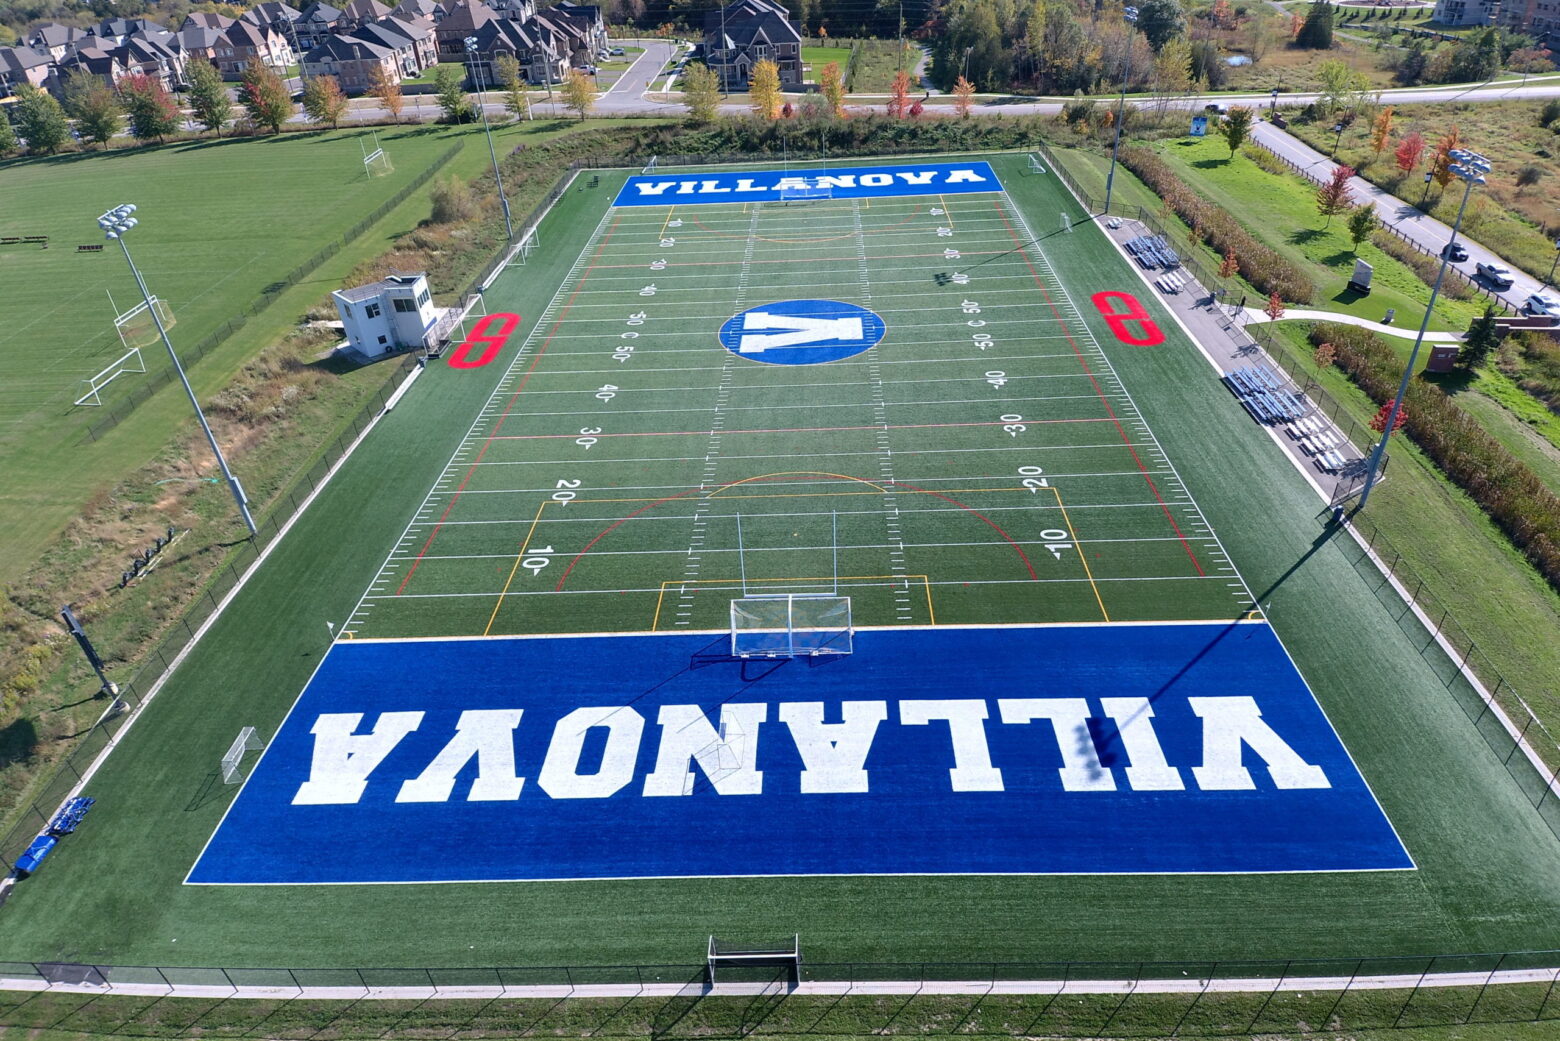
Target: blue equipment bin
(28, 862)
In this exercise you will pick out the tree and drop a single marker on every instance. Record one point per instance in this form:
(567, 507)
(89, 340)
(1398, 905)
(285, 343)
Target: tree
(386, 87)
(8, 142)
(701, 92)
(1381, 130)
(1362, 221)
(1229, 265)
(579, 94)
(40, 120)
(916, 109)
(153, 112)
(1342, 87)
(1161, 21)
(1333, 197)
(1235, 128)
(94, 107)
(1441, 162)
(1324, 355)
(1173, 70)
(1409, 151)
(449, 87)
(1528, 176)
(1378, 422)
(265, 97)
(831, 84)
(963, 97)
(1316, 32)
(1413, 63)
(1275, 308)
(323, 100)
(764, 89)
(209, 100)
(1483, 337)
(899, 95)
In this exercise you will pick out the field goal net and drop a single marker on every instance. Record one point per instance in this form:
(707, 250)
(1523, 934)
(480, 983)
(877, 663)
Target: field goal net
(790, 625)
(232, 762)
(375, 162)
(137, 328)
(813, 193)
(725, 955)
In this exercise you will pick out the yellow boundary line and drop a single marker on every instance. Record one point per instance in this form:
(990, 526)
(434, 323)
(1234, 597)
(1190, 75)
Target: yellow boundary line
(1082, 559)
(668, 221)
(488, 629)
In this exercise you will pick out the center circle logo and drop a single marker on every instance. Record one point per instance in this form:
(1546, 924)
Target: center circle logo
(802, 332)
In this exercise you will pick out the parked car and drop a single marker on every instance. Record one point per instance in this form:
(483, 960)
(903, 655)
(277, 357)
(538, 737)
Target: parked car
(617, 52)
(1495, 274)
(1543, 305)
(1454, 252)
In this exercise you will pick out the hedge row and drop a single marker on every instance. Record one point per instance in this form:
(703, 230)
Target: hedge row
(1266, 269)
(1502, 485)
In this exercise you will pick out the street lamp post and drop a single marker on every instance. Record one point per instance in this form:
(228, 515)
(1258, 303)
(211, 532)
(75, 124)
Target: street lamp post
(1273, 109)
(476, 74)
(1471, 168)
(1131, 15)
(966, 73)
(1551, 279)
(1337, 129)
(115, 223)
(1428, 178)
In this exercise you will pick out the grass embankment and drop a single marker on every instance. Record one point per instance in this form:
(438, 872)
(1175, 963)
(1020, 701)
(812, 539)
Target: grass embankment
(877, 62)
(274, 405)
(1280, 209)
(1494, 1015)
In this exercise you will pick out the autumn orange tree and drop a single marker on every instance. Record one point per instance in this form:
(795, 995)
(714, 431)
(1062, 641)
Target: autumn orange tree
(1381, 130)
(832, 86)
(1275, 307)
(899, 95)
(764, 89)
(386, 86)
(1409, 151)
(963, 97)
(1230, 265)
(1378, 422)
(1441, 163)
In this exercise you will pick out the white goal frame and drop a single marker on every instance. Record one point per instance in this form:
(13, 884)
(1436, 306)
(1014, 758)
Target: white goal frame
(160, 312)
(814, 193)
(118, 368)
(790, 625)
(375, 163)
(246, 741)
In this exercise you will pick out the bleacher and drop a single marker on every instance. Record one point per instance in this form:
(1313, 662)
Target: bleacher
(69, 817)
(1262, 392)
(1319, 442)
(1152, 251)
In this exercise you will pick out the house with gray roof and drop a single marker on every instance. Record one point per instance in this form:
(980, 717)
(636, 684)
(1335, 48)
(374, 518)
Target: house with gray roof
(413, 45)
(745, 32)
(352, 61)
(318, 21)
(463, 19)
(55, 39)
(429, 9)
(19, 65)
(244, 42)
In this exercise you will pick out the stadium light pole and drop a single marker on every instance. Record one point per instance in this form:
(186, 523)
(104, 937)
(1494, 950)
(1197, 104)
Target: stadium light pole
(115, 223)
(1471, 168)
(1131, 15)
(1553, 264)
(498, 178)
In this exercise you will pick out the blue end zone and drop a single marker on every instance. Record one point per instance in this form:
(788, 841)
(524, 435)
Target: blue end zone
(665, 188)
(1109, 749)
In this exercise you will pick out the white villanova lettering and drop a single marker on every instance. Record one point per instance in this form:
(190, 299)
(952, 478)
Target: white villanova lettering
(704, 185)
(694, 755)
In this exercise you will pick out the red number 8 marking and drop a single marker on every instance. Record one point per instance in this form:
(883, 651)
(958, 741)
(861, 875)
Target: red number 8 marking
(1147, 333)
(492, 342)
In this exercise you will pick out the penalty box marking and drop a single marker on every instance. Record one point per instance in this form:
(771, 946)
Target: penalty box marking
(1138, 749)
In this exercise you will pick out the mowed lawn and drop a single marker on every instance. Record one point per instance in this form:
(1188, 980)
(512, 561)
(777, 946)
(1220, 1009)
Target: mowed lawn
(220, 222)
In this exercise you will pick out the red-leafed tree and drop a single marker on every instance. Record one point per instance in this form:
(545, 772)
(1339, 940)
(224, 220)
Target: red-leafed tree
(1324, 355)
(916, 109)
(1274, 308)
(153, 112)
(1333, 197)
(1409, 151)
(1378, 422)
(1229, 265)
(899, 98)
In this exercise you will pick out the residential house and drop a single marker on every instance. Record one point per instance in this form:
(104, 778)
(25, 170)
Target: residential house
(244, 42)
(529, 43)
(578, 29)
(114, 31)
(56, 40)
(745, 32)
(155, 54)
(1538, 18)
(429, 9)
(92, 59)
(205, 20)
(352, 61)
(464, 19)
(273, 14)
(317, 23)
(201, 44)
(412, 55)
(19, 65)
(423, 33)
(355, 13)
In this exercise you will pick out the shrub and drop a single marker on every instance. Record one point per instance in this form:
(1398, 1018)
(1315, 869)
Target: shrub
(1510, 493)
(1550, 113)
(1265, 159)
(452, 201)
(1265, 268)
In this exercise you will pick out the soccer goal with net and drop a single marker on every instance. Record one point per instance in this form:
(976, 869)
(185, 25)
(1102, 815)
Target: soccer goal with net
(791, 625)
(232, 762)
(813, 193)
(137, 328)
(375, 162)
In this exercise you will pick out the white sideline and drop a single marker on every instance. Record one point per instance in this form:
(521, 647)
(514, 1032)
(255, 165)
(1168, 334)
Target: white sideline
(836, 988)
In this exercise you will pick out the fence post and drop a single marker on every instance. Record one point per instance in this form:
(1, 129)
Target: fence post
(1518, 742)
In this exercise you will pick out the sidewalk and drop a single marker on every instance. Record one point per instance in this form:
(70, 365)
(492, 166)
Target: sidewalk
(1256, 316)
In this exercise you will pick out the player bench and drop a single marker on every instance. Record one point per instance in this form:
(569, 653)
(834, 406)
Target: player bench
(36, 240)
(94, 248)
(69, 817)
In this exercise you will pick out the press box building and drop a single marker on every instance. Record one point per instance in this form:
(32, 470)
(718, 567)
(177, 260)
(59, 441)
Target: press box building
(389, 315)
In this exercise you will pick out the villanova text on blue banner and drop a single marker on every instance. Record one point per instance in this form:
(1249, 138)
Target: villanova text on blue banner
(856, 182)
(1110, 749)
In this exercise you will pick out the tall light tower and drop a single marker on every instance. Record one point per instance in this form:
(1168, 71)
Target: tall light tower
(115, 223)
(498, 178)
(1131, 15)
(1471, 168)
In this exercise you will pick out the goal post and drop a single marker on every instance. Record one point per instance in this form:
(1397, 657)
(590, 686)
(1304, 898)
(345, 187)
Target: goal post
(130, 361)
(811, 193)
(137, 328)
(248, 740)
(726, 955)
(791, 625)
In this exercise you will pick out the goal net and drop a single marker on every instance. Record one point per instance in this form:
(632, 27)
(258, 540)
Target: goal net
(137, 328)
(232, 763)
(788, 626)
(807, 194)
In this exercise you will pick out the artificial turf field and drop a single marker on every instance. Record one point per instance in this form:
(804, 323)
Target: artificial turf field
(1484, 874)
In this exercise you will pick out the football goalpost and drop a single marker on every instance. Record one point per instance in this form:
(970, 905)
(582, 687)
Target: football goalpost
(375, 163)
(232, 762)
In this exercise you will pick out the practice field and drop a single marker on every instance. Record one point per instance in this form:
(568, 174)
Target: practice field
(1067, 729)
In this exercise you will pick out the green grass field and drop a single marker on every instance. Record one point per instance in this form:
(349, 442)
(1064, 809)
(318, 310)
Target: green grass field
(1488, 877)
(220, 222)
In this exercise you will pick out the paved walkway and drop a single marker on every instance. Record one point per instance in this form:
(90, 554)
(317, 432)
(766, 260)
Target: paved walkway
(1256, 316)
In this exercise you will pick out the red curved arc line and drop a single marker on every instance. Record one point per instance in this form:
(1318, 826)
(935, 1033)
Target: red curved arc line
(803, 242)
(776, 477)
